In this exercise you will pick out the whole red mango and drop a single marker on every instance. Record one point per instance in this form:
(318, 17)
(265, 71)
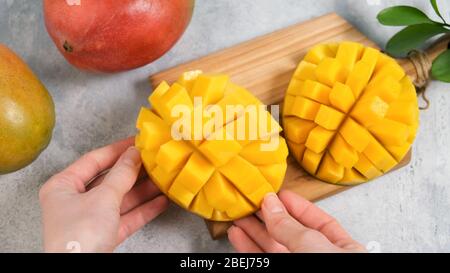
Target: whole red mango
(112, 35)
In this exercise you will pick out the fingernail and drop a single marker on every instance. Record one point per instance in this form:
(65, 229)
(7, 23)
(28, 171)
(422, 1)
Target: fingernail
(230, 228)
(132, 157)
(272, 203)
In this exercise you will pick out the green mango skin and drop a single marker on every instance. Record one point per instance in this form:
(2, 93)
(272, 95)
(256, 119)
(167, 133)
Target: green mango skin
(27, 113)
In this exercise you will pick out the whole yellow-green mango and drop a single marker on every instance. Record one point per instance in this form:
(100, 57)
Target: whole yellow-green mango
(27, 113)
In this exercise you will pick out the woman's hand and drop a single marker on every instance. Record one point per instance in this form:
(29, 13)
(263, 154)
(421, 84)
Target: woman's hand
(290, 223)
(88, 212)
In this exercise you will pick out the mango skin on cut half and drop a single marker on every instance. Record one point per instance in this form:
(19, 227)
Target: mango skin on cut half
(350, 113)
(220, 179)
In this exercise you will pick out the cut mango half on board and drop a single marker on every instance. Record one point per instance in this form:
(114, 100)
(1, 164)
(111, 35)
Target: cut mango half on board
(350, 113)
(223, 158)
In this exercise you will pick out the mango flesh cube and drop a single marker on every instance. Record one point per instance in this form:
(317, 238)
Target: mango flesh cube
(295, 87)
(219, 184)
(402, 111)
(311, 160)
(304, 108)
(305, 70)
(219, 152)
(378, 155)
(146, 115)
(370, 110)
(341, 97)
(198, 161)
(288, 104)
(408, 92)
(329, 71)
(201, 206)
(366, 168)
(176, 96)
(274, 174)
(387, 89)
(348, 54)
(195, 173)
(370, 57)
(181, 195)
(352, 177)
(155, 97)
(243, 175)
(393, 70)
(256, 197)
(258, 154)
(333, 48)
(359, 77)
(315, 91)
(390, 132)
(240, 208)
(318, 139)
(318, 53)
(399, 152)
(297, 150)
(211, 89)
(162, 178)
(173, 155)
(367, 114)
(329, 118)
(297, 130)
(330, 170)
(187, 79)
(343, 153)
(153, 135)
(354, 134)
(148, 159)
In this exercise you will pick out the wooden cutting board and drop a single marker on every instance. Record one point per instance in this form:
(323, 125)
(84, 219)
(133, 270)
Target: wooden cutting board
(265, 66)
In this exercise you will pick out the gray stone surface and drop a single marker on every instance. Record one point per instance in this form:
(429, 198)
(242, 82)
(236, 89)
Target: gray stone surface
(407, 210)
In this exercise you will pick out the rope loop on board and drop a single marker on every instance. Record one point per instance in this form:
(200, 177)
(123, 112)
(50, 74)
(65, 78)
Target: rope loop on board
(423, 64)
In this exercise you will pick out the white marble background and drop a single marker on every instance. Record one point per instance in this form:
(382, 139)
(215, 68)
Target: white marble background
(406, 211)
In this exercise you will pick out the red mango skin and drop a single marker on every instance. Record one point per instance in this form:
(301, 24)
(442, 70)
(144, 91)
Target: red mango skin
(113, 36)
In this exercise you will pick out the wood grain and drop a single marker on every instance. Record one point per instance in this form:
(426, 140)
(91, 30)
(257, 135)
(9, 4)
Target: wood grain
(265, 66)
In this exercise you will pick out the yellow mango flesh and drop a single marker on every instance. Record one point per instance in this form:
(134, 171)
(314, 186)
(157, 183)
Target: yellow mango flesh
(350, 114)
(225, 174)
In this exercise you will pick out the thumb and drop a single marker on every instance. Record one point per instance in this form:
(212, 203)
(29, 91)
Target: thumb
(289, 232)
(123, 174)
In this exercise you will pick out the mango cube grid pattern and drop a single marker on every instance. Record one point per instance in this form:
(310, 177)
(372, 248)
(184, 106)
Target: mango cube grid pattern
(218, 179)
(350, 113)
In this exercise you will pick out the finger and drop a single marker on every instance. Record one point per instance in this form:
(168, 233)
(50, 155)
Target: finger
(123, 175)
(313, 217)
(139, 194)
(241, 241)
(290, 233)
(99, 179)
(260, 215)
(81, 172)
(98, 160)
(140, 216)
(259, 234)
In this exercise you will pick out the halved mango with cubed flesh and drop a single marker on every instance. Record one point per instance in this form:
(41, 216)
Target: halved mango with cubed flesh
(351, 113)
(212, 168)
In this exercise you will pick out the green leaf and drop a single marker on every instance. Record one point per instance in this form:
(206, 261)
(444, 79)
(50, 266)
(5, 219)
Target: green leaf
(412, 37)
(441, 67)
(402, 16)
(436, 10)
